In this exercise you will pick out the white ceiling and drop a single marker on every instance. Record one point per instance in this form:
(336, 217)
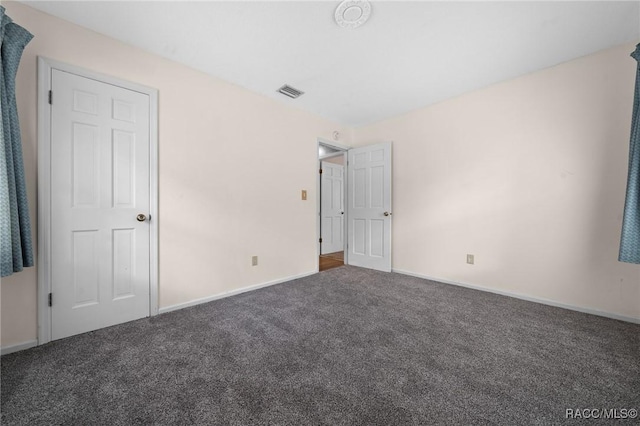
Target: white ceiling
(408, 55)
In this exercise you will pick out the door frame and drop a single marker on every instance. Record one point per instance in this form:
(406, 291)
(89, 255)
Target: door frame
(345, 149)
(45, 68)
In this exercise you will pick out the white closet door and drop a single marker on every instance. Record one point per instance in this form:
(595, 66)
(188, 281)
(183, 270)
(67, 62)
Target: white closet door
(99, 187)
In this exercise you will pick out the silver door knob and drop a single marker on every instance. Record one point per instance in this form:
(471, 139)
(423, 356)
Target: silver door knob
(387, 214)
(141, 217)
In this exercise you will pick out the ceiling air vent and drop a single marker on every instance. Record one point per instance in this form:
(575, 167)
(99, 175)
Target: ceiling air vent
(290, 91)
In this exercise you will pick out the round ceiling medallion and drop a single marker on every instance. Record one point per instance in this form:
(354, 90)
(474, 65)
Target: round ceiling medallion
(352, 13)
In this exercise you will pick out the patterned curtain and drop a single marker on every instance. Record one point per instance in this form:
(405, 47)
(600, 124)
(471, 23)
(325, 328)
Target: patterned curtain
(630, 241)
(15, 228)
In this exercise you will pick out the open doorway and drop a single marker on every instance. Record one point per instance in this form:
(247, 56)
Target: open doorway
(332, 183)
(355, 214)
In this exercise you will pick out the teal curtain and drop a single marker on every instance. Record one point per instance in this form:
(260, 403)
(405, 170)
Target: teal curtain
(16, 250)
(630, 240)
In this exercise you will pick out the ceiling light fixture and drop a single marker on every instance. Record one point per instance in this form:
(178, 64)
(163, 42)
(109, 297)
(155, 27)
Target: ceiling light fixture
(352, 13)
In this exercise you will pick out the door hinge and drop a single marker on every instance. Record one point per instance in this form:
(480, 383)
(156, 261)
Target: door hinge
(50, 299)
(320, 171)
(50, 97)
(320, 239)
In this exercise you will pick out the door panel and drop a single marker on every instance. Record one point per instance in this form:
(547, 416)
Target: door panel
(124, 264)
(99, 183)
(369, 198)
(332, 207)
(85, 268)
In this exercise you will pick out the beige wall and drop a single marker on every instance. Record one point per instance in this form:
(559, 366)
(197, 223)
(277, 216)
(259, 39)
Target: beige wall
(529, 176)
(226, 190)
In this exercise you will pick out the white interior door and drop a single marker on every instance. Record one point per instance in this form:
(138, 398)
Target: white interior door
(332, 208)
(369, 207)
(99, 185)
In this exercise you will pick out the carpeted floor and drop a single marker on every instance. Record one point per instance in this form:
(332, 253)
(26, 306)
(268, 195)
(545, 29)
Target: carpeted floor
(346, 346)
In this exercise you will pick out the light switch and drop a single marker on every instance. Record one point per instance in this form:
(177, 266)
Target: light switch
(304, 195)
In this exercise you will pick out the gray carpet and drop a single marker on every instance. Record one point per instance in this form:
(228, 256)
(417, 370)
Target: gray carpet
(346, 346)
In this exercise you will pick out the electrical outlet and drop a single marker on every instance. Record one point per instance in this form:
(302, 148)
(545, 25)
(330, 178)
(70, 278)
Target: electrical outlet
(304, 195)
(254, 260)
(470, 259)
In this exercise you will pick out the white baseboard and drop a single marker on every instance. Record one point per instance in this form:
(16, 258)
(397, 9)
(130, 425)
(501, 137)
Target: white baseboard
(525, 297)
(231, 293)
(18, 347)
